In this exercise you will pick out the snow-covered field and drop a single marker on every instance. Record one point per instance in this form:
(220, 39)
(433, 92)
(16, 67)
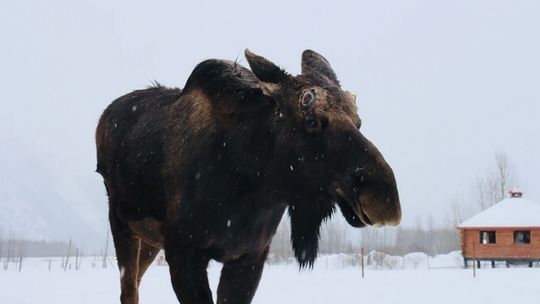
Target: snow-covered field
(328, 282)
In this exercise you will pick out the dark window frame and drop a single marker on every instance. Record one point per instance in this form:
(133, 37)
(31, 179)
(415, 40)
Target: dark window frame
(525, 239)
(491, 237)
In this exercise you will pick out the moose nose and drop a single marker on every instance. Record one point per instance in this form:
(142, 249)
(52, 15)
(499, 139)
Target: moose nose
(381, 212)
(392, 215)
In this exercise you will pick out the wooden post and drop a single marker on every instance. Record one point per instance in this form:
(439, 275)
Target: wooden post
(77, 259)
(474, 268)
(474, 260)
(362, 261)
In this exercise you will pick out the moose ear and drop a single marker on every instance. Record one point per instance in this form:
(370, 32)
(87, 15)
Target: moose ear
(313, 62)
(265, 70)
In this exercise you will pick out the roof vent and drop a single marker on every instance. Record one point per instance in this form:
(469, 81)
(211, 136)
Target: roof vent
(515, 193)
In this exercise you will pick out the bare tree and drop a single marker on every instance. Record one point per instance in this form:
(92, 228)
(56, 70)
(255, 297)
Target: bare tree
(21, 253)
(105, 252)
(67, 255)
(459, 210)
(9, 253)
(432, 247)
(77, 259)
(493, 187)
(281, 249)
(1, 243)
(334, 237)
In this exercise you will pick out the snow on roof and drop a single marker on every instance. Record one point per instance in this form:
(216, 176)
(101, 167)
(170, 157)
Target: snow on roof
(510, 212)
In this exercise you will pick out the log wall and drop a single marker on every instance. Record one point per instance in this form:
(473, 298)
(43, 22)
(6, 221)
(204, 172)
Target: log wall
(504, 246)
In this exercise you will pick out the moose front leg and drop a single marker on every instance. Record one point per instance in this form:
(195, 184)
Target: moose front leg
(240, 278)
(189, 277)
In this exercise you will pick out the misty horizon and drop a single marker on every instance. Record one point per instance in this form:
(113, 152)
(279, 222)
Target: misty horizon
(440, 88)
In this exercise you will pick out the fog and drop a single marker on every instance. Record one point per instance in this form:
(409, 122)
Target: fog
(441, 87)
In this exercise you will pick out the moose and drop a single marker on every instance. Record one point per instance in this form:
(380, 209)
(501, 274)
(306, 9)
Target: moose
(206, 172)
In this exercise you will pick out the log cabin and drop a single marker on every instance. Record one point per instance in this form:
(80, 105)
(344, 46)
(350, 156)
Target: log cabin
(508, 231)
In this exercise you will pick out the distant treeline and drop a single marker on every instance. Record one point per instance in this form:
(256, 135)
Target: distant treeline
(338, 237)
(31, 248)
(430, 241)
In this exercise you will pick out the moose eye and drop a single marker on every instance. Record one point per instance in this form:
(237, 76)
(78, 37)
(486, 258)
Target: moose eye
(311, 124)
(308, 98)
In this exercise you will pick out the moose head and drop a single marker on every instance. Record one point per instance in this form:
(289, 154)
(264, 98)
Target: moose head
(327, 159)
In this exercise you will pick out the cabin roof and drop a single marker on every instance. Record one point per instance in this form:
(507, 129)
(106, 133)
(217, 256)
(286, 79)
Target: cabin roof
(510, 212)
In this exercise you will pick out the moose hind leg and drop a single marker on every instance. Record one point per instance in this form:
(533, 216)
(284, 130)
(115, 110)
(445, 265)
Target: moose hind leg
(127, 254)
(239, 279)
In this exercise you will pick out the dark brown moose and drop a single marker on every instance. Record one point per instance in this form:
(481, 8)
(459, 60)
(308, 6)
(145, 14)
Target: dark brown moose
(207, 172)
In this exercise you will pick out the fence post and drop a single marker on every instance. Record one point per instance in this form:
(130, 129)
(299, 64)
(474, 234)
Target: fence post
(474, 260)
(362, 261)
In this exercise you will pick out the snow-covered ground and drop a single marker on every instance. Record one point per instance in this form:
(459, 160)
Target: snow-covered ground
(331, 281)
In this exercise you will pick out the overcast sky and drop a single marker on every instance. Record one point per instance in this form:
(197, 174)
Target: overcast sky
(441, 85)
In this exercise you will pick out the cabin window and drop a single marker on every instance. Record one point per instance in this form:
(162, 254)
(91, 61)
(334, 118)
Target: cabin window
(522, 237)
(487, 237)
